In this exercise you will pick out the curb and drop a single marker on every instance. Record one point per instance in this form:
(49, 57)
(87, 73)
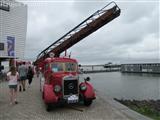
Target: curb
(122, 108)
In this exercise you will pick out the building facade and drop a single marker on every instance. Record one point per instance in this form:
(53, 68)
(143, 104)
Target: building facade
(141, 68)
(13, 29)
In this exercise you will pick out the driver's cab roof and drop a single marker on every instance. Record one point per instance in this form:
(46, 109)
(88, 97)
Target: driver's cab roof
(60, 59)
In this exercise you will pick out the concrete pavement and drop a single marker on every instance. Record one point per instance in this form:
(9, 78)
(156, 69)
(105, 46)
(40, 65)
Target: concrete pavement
(32, 107)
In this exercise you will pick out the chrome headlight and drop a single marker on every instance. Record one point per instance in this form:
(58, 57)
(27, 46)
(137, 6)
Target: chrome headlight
(83, 87)
(57, 88)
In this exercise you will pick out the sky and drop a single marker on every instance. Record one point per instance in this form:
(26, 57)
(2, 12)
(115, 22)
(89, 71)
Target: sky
(133, 37)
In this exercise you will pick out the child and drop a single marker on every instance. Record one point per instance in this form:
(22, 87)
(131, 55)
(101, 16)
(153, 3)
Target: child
(12, 77)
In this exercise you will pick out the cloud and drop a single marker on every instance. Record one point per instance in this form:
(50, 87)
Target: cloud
(132, 37)
(135, 11)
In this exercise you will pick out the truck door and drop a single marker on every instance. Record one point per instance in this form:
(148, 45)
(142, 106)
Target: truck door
(47, 73)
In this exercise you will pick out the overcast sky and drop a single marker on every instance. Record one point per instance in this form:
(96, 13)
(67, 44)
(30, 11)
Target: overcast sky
(132, 37)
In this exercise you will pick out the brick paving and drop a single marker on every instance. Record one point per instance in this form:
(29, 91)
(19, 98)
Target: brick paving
(31, 107)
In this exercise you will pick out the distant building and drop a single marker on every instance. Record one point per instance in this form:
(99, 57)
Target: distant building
(13, 28)
(141, 68)
(99, 68)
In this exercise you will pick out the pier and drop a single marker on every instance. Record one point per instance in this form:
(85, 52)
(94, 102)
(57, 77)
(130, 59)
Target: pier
(100, 68)
(124, 68)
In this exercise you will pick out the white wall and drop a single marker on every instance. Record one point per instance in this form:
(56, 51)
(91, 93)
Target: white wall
(14, 24)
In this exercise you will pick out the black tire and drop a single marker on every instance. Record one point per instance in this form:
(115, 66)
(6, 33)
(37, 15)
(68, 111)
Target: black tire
(42, 95)
(87, 102)
(48, 107)
(40, 85)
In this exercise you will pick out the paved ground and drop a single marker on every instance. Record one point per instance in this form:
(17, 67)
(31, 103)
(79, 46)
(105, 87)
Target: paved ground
(31, 107)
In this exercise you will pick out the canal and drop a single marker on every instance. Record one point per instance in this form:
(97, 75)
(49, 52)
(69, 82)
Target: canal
(138, 86)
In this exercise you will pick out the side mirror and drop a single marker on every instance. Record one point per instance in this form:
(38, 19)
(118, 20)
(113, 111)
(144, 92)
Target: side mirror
(87, 79)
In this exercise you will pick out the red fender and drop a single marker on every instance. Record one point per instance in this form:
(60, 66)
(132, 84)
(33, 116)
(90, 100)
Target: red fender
(89, 92)
(49, 95)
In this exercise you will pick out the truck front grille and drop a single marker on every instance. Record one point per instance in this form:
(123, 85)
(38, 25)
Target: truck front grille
(70, 87)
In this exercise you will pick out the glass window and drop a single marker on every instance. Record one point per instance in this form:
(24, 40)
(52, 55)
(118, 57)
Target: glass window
(70, 67)
(57, 67)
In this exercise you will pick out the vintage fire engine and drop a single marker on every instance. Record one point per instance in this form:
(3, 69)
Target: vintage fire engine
(60, 75)
(62, 83)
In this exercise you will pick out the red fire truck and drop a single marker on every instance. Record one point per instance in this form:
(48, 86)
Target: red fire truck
(60, 82)
(60, 75)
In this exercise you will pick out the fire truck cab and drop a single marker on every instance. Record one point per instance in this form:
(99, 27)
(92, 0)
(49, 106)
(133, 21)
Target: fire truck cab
(60, 83)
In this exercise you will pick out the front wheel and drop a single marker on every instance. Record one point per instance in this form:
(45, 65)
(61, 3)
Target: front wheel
(42, 95)
(87, 102)
(48, 107)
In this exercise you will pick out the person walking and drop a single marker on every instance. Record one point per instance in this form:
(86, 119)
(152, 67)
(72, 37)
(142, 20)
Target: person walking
(12, 77)
(30, 75)
(19, 80)
(23, 75)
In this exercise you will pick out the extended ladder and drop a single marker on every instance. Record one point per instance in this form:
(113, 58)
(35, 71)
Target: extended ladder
(88, 26)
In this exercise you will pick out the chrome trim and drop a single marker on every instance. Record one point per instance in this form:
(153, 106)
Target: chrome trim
(70, 77)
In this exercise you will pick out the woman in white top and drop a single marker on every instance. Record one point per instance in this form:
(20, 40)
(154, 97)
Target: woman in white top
(12, 77)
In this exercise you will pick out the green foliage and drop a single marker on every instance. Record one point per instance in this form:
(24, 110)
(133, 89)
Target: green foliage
(147, 108)
(147, 111)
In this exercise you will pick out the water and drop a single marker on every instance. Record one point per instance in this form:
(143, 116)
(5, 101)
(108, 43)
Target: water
(127, 85)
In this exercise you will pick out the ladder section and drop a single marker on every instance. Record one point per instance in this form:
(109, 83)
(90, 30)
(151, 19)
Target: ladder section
(87, 27)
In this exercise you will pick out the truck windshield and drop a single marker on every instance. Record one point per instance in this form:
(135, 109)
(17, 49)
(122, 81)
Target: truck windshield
(57, 67)
(63, 67)
(69, 67)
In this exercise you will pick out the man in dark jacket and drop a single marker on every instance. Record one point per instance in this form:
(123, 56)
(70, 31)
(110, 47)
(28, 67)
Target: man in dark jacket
(30, 75)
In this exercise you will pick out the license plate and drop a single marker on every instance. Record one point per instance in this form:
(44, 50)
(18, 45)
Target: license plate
(73, 99)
